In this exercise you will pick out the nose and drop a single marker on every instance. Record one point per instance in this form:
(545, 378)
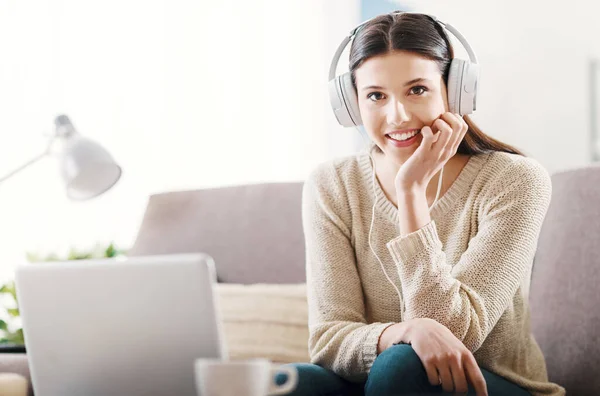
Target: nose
(397, 114)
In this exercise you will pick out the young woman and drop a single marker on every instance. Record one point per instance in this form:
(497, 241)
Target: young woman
(415, 289)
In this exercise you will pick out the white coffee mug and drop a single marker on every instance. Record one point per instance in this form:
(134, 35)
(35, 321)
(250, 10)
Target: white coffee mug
(254, 377)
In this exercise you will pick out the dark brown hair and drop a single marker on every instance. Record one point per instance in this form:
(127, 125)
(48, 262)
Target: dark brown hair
(419, 34)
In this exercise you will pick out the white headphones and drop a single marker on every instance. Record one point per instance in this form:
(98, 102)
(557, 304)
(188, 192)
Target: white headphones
(462, 81)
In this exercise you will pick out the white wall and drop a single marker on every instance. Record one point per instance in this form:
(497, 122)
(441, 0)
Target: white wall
(190, 94)
(184, 94)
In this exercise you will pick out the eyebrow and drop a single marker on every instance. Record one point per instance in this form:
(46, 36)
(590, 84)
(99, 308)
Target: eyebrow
(416, 80)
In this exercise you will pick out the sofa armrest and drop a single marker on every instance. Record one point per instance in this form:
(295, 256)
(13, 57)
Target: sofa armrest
(16, 363)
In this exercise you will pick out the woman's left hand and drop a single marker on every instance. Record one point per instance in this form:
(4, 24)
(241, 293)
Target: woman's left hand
(433, 153)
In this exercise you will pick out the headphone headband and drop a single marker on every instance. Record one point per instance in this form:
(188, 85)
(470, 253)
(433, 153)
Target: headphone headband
(448, 27)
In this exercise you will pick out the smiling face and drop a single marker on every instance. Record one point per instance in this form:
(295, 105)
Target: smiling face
(398, 94)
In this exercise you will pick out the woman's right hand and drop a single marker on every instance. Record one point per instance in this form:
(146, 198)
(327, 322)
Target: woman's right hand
(443, 355)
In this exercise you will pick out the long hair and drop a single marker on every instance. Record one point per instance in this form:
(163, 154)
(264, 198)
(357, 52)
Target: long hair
(422, 35)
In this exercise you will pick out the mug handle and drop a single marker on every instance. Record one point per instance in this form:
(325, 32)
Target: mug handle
(289, 385)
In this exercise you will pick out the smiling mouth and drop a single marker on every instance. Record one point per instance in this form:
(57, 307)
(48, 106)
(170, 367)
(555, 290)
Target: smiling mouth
(402, 137)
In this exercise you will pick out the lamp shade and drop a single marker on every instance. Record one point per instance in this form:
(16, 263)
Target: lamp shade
(87, 168)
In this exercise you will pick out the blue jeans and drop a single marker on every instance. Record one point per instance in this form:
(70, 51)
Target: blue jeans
(396, 371)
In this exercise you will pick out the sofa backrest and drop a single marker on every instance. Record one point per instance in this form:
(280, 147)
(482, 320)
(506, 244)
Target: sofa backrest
(253, 232)
(565, 292)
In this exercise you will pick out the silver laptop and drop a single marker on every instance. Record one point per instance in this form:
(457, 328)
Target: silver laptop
(119, 327)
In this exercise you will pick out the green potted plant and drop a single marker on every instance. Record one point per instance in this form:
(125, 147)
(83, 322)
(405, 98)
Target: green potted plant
(11, 332)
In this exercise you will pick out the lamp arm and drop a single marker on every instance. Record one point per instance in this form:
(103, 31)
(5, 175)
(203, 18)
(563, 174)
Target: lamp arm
(25, 165)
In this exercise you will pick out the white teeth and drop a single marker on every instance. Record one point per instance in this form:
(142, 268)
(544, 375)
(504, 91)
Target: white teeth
(402, 136)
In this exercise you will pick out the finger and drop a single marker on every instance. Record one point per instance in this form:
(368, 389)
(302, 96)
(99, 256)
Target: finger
(458, 375)
(463, 123)
(475, 376)
(444, 373)
(445, 134)
(432, 374)
(464, 129)
(459, 127)
(453, 120)
(428, 137)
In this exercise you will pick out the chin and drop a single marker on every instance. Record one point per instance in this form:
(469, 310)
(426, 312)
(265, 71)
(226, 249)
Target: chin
(398, 156)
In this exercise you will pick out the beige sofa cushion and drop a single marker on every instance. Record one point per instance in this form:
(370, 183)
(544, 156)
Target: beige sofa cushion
(265, 320)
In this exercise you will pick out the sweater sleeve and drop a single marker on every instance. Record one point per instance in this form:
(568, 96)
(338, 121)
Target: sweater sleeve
(470, 297)
(339, 337)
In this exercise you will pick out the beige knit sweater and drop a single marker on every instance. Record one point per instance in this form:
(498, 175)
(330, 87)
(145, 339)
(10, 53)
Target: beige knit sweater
(469, 269)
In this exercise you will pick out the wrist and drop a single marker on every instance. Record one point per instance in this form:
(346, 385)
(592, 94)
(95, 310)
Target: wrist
(394, 334)
(410, 198)
(413, 191)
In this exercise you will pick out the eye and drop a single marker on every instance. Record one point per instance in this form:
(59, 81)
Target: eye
(370, 96)
(418, 90)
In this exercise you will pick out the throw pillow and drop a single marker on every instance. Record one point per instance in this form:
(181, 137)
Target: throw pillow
(265, 321)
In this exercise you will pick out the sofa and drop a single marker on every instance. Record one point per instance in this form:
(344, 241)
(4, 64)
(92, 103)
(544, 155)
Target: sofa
(254, 233)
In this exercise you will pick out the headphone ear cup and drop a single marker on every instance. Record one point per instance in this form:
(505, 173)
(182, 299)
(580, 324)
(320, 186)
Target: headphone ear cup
(336, 99)
(462, 86)
(344, 101)
(454, 77)
(351, 98)
(338, 103)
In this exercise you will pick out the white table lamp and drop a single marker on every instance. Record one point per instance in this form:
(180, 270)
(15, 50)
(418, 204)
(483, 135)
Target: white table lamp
(87, 169)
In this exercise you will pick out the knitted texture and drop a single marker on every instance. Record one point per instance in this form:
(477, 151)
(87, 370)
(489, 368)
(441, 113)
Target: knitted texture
(469, 268)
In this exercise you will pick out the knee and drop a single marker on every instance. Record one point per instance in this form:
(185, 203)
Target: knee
(395, 371)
